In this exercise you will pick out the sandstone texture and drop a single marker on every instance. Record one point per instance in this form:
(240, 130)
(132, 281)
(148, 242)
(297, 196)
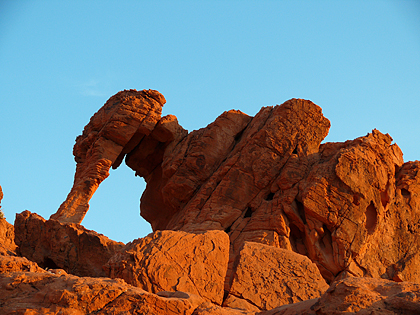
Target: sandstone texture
(351, 207)
(175, 261)
(46, 293)
(67, 246)
(360, 296)
(112, 132)
(268, 277)
(251, 215)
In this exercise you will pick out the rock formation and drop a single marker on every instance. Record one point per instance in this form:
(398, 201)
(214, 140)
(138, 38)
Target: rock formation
(71, 247)
(250, 214)
(111, 133)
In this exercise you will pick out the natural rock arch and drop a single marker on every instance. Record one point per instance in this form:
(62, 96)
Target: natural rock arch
(266, 179)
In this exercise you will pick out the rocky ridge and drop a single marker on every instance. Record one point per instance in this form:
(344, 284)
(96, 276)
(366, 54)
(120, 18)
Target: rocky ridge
(250, 215)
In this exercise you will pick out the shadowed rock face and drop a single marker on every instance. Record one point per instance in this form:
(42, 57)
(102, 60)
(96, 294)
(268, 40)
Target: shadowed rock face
(352, 207)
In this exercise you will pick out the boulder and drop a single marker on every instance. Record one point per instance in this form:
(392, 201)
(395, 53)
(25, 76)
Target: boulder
(47, 293)
(175, 261)
(67, 246)
(267, 277)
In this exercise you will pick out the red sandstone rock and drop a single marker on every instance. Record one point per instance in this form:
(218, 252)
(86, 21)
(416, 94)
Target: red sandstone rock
(7, 236)
(351, 207)
(175, 261)
(115, 130)
(67, 246)
(47, 293)
(360, 296)
(211, 309)
(267, 277)
(10, 263)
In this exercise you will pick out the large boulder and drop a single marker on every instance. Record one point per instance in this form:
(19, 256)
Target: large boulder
(267, 277)
(175, 261)
(67, 246)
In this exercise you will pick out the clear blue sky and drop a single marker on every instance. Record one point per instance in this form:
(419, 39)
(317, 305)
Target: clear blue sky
(61, 60)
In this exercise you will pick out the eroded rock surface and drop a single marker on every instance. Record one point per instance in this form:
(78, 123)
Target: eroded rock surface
(47, 293)
(351, 207)
(67, 246)
(112, 132)
(175, 261)
(360, 296)
(267, 277)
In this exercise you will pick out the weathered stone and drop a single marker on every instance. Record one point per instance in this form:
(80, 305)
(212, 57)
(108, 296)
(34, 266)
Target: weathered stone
(351, 207)
(112, 132)
(373, 296)
(7, 238)
(67, 246)
(10, 263)
(175, 261)
(211, 309)
(268, 277)
(47, 293)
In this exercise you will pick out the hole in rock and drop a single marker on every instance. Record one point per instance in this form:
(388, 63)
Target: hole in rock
(115, 207)
(49, 264)
(248, 213)
(405, 193)
(270, 196)
(326, 241)
(301, 210)
(228, 229)
(239, 135)
(356, 199)
(297, 239)
(384, 198)
(295, 151)
(371, 218)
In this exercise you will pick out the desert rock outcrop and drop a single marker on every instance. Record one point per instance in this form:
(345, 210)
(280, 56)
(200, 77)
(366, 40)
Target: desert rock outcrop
(111, 133)
(248, 213)
(47, 293)
(268, 179)
(67, 246)
(360, 296)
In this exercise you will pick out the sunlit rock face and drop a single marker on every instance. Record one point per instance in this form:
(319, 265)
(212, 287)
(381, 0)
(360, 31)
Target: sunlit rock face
(352, 208)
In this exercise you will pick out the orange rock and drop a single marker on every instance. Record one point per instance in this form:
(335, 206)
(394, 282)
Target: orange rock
(10, 263)
(351, 207)
(7, 238)
(175, 261)
(47, 293)
(267, 277)
(67, 246)
(373, 296)
(112, 132)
